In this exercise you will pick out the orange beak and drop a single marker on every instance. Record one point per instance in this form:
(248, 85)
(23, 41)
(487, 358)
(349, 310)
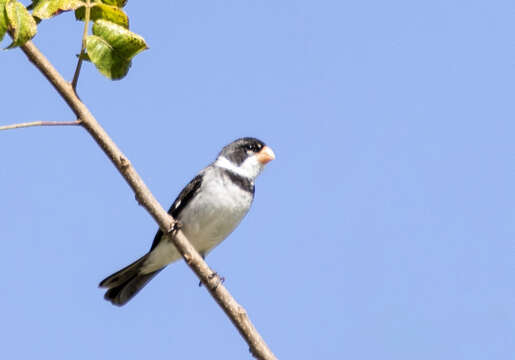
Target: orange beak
(265, 155)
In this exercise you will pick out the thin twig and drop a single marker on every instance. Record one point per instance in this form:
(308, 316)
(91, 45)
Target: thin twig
(40, 123)
(83, 46)
(234, 311)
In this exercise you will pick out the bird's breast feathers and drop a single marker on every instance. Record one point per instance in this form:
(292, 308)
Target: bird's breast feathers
(215, 212)
(208, 218)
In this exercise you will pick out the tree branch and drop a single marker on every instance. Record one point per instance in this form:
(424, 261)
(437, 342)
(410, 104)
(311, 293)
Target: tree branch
(236, 312)
(40, 123)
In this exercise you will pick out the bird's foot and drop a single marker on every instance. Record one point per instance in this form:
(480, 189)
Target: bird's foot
(176, 226)
(221, 280)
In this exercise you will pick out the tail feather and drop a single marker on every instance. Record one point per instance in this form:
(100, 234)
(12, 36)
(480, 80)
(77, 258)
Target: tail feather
(122, 293)
(124, 284)
(124, 274)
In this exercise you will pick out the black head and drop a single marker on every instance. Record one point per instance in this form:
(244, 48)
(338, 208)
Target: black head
(239, 150)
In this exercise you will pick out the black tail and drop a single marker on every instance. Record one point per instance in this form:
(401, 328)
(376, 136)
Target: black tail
(124, 284)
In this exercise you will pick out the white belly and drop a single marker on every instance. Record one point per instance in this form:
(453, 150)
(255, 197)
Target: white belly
(211, 216)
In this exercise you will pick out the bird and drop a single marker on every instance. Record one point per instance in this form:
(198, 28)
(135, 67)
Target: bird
(208, 209)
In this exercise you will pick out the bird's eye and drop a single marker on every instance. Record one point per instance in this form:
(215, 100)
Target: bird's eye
(250, 147)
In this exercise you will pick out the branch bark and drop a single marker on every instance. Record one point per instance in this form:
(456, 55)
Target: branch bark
(234, 311)
(40, 123)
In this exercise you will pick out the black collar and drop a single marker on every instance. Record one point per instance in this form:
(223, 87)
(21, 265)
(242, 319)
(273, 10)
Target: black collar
(242, 182)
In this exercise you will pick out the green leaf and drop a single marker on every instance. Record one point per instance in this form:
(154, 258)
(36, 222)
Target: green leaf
(118, 3)
(106, 12)
(45, 9)
(126, 43)
(111, 48)
(106, 59)
(20, 22)
(3, 19)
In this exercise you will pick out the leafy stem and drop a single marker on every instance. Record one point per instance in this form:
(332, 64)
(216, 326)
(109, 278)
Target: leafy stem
(83, 46)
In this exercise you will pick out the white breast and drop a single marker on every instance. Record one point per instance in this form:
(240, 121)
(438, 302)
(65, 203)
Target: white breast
(215, 212)
(208, 219)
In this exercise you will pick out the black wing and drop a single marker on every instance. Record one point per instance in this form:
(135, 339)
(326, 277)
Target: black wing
(182, 200)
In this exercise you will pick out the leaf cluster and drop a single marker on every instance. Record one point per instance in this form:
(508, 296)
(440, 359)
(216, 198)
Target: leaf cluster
(110, 47)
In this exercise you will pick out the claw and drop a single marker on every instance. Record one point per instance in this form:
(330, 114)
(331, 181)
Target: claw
(221, 280)
(176, 226)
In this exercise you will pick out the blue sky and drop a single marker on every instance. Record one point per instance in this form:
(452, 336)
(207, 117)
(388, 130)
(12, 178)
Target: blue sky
(383, 229)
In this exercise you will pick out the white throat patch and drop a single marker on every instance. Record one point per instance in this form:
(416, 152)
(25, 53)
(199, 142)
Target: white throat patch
(250, 168)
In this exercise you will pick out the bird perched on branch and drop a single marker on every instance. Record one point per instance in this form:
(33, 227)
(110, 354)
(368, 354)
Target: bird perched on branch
(209, 208)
